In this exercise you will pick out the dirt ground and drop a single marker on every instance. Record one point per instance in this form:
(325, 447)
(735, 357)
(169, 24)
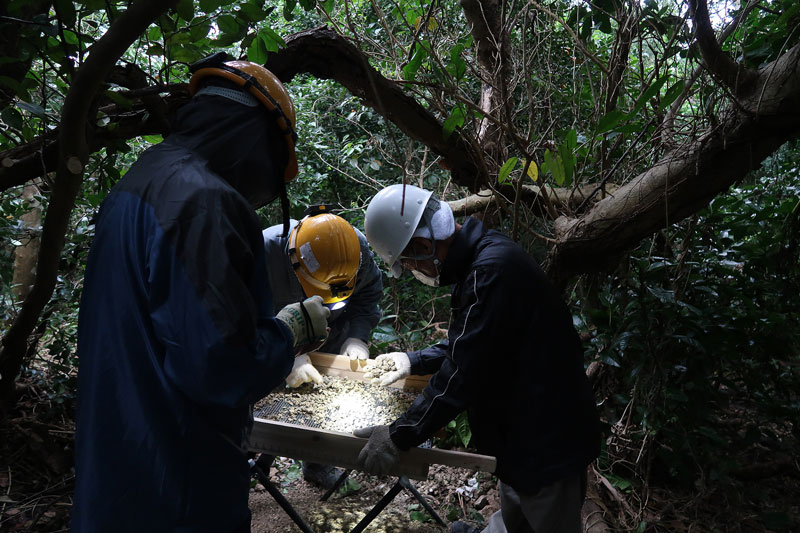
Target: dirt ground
(762, 495)
(455, 494)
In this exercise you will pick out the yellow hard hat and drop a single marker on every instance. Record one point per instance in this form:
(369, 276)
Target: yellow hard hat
(325, 253)
(262, 84)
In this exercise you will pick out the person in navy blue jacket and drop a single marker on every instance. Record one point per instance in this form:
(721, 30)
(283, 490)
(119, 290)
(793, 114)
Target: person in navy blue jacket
(512, 360)
(177, 334)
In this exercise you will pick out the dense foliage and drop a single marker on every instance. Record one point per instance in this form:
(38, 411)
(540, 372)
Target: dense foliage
(695, 331)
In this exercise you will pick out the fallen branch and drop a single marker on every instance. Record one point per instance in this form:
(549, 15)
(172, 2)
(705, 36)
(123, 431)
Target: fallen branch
(567, 199)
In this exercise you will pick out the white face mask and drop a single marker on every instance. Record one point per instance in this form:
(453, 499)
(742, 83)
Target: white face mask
(426, 279)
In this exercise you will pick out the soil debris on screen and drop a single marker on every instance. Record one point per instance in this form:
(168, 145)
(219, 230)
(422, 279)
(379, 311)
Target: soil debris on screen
(337, 404)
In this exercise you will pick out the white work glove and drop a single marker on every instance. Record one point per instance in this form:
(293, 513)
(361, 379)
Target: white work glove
(307, 320)
(380, 453)
(302, 372)
(355, 349)
(388, 368)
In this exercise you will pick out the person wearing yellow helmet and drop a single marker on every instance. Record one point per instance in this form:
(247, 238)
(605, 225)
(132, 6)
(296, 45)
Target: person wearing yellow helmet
(178, 334)
(323, 255)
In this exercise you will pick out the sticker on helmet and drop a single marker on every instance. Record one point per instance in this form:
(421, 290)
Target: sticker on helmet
(307, 255)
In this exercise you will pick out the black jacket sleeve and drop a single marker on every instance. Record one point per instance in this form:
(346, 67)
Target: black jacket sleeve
(472, 340)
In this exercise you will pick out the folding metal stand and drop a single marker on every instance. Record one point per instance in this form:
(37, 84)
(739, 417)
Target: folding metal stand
(280, 498)
(279, 431)
(401, 483)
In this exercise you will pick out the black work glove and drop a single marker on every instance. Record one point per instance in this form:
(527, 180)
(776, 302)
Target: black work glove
(379, 454)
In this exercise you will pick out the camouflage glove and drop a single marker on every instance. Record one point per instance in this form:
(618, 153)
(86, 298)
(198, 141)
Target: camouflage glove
(307, 320)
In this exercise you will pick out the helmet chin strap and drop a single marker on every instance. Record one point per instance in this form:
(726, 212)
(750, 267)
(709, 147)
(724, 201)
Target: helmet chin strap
(285, 209)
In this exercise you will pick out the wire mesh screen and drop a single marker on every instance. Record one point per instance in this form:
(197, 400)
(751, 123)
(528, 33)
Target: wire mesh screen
(338, 404)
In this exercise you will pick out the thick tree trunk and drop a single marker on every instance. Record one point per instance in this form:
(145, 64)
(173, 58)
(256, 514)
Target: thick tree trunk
(73, 153)
(26, 253)
(327, 55)
(684, 181)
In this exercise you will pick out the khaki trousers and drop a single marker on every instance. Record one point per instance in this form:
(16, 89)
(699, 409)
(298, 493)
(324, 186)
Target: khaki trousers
(555, 508)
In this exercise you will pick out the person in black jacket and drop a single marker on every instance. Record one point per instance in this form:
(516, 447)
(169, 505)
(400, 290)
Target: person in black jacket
(512, 360)
(177, 335)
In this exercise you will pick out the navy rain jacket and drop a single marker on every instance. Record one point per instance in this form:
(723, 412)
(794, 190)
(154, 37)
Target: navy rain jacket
(177, 335)
(362, 311)
(513, 360)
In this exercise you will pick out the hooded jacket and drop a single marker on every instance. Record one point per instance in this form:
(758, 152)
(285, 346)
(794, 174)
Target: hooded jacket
(177, 334)
(512, 360)
(361, 312)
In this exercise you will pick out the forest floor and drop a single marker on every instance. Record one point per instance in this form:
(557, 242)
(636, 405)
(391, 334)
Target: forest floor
(37, 481)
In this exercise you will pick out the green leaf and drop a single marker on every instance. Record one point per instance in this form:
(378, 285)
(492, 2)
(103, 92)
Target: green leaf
(410, 70)
(288, 9)
(350, 486)
(185, 9)
(33, 109)
(419, 516)
(609, 120)
(71, 37)
(152, 139)
(227, 24)
(93, 5)
(572, 139)
(664, 296)
(455, 120)
(328, 6)
(568, 162)
(121, 101)
(672, 93)
(271, 39)
(555, 166)
(603, 23)
(257, 51)
(252, 12)
(12, 118)
(463, 430)
(457, 66)
(506, 169)
(649, 93)
(185, 54)
(199, 31)
(308, 5)
(66, 12)
(618, 482)
(208, 6)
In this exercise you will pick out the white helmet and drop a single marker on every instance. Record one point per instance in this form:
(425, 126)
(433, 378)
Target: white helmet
(391, 219)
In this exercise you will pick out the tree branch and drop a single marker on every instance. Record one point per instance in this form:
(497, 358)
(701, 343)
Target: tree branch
(564, 198)
(733, 75)
(327, 55)
(39, 157)
(685, 180)
(73, 154)
(669, 118)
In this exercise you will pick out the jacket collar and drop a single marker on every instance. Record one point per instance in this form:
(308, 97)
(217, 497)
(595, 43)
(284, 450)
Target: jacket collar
(462, 251)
